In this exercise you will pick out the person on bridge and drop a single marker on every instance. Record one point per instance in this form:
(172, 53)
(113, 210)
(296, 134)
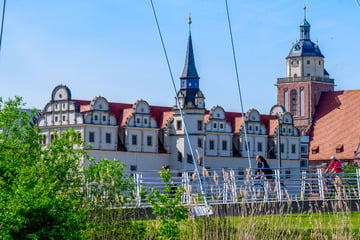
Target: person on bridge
(334, 166)
(263, 166)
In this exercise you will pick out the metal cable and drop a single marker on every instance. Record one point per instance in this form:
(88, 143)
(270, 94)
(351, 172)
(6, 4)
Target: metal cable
(179, 106)
(238, 83)
(357, 3)
(2, 22)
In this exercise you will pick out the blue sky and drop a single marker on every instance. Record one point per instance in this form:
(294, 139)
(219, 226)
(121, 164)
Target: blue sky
(111, 48)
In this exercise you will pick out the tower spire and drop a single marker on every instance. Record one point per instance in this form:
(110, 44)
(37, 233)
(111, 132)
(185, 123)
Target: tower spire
(305, 28)
(189, 71)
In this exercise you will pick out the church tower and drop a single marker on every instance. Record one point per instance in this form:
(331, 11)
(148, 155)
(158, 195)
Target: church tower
(306, 78)
(190, 95)
(193, 107)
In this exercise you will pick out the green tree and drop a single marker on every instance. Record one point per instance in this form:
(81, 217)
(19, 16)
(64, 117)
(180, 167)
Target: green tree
(167, 206)
(40, 187)
(44, 190)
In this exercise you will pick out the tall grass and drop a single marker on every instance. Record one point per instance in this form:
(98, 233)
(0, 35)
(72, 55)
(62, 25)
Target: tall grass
(290, 219)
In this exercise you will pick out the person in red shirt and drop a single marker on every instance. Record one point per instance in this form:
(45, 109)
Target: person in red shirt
(334, 166)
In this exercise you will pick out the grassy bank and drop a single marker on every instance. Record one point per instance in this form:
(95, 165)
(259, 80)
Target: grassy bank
(340, 225)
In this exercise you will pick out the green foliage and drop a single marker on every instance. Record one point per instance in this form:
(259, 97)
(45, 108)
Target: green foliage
(40, 188)
(44, 190)
(107, 185)
(167, 206)
(108, 189)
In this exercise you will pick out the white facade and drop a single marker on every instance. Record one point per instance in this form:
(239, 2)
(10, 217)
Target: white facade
(147, 137)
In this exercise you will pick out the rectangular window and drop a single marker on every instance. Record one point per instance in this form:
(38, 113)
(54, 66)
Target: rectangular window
(64, 118)
(199, 143)
(199, 125)
(91, 136)
(149, 140)
(145, 121)
(44, 139)
(104, 118)
(308, 61)
(282, 148)
(52, 137)
(215, 126)
(293, 148)
(179, 157)
(178, 124)
(286, 100)
(287, 173)
(224, 145)
(304, 149)
(134, 139)
(211, 144)
(138, 120)
(259, 146)
(133, 168)
(189, 158)
(108, 138)
(56, 119)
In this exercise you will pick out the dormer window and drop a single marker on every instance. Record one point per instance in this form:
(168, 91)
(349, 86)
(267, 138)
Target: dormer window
(60, 96)
(315, 149)
(100, 106)
(339, 148)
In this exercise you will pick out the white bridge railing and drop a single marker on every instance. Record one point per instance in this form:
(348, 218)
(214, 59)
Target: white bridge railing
(243, 185)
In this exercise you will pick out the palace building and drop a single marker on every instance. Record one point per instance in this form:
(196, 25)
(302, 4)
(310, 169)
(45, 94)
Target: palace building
(310, 121)
(147, 137)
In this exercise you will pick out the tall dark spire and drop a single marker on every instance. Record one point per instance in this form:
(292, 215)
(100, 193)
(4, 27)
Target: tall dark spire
(189, 68)
(305, 28)
(189, 71)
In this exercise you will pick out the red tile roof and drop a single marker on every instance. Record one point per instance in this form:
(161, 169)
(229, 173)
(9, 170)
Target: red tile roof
(161, 114)
(164, 117)
(336, 122)
(122, 110)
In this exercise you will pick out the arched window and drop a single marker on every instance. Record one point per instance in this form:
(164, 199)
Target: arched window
(294, 102)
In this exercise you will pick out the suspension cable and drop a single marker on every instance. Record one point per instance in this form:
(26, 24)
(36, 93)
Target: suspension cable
(2, 23)
(238, 83)
(357, 3)
(179, 106)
